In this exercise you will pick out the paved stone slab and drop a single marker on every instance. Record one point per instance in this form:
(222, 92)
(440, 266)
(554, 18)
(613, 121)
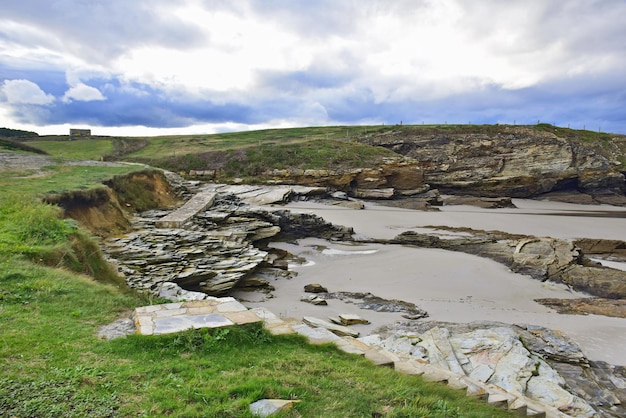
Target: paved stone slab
(240, 318)
(230, 306)
(169, 325)
(179, 316)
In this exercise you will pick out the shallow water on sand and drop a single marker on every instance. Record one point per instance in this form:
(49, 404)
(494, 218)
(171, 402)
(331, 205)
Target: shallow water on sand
(450, 286)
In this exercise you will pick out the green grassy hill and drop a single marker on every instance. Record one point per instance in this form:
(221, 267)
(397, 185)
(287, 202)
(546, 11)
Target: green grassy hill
(306, 147)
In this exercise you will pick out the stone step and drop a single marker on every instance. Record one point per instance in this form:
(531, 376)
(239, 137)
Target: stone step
(475, 390)
(498, 400)
(411, 366)
(457, 383)
(316, 335)
(518, 407)
(352, 345)
(380, 357)
(435, 374)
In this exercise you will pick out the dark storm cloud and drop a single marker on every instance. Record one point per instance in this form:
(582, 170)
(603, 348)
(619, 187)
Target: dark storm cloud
(135, 104)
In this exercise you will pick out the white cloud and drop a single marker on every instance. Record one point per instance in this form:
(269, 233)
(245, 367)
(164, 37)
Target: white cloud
(83, 93)
(25, 92)
(302, 61)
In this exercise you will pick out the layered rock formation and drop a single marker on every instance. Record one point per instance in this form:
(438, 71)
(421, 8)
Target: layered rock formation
(510, 161)
(539, 363)
(211, 252)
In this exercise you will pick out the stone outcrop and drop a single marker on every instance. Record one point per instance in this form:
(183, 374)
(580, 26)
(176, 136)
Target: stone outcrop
(267, 407)
(509, 161)
(372, 302)
(539, 257)
(532, 361)
(606, 248)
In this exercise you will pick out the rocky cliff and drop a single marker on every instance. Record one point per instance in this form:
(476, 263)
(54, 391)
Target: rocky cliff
(505, 161)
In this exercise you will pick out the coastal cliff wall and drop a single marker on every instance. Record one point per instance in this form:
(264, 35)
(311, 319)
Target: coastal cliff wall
(510, 161)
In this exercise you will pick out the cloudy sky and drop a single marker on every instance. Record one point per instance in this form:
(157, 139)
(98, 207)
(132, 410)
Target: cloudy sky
(132, 67)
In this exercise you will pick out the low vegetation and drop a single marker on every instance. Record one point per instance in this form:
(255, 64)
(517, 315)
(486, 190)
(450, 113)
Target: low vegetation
(12, 145)
(253, 161)
(16, 133)
(78, 149)
(55, 293)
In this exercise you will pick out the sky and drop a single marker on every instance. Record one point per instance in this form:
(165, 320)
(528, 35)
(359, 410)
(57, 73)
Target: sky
(151, 67)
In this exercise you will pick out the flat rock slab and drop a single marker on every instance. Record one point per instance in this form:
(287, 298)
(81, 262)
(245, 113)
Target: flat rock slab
(180, 316)
(191, 208)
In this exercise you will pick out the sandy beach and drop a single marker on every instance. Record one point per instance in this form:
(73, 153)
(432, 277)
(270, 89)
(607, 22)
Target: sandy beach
(450, 286)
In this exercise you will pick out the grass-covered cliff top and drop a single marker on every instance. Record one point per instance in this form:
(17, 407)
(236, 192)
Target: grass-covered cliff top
(308, 147)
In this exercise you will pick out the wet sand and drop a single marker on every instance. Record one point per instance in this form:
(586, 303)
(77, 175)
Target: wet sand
(450, 286)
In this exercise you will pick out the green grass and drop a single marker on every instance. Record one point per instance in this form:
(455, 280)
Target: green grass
(57, 179)
(177, 145)
(80, 149)
(252, 161)
(29, 227)
(13, 145)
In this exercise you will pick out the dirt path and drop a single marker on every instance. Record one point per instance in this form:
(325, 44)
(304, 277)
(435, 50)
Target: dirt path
(18, 162)
(15, 162)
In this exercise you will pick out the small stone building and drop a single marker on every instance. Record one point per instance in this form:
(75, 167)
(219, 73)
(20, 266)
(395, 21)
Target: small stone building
(80, 133)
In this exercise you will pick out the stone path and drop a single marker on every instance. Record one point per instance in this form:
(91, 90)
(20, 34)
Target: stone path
(223, 312)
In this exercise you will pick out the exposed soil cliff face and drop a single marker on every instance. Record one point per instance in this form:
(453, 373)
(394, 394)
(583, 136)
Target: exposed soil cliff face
(96, 210)
(104, 211)
(143, 190)
(512, 161)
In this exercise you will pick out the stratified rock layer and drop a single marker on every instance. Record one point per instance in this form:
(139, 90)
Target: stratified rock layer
(210, 251)
(510, 161)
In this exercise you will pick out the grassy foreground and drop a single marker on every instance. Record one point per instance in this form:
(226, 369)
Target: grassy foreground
(54, 365)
